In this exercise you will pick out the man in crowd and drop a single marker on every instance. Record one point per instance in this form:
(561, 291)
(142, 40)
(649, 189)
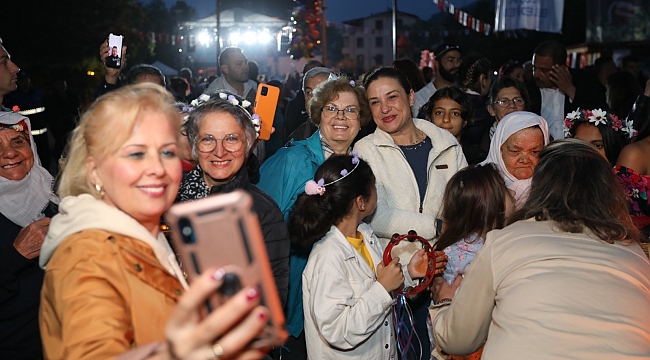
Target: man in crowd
(234, 69)
(296, 111)
(311, 79)
(447, 60)
(633, 64)
(558, 90)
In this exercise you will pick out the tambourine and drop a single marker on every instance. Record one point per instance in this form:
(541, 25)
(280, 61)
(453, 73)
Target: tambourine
(431, 260)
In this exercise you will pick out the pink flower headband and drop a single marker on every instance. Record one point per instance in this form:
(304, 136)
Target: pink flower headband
(597, 117)
(318, 188)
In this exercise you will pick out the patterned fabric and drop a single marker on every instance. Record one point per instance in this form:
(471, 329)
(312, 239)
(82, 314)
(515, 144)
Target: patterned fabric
(193, 186)
(460, 255)
(327, 149)
(636, 191)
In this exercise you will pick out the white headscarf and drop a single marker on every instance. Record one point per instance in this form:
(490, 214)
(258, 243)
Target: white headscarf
(23, 201)
(509, 125)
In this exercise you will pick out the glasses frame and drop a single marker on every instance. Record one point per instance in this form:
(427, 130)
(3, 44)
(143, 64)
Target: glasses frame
(505, 103)
(335, 114)
(216, 143)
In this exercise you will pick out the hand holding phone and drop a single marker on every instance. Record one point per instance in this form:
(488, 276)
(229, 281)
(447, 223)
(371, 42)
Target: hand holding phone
(266, 101)
(114, 54)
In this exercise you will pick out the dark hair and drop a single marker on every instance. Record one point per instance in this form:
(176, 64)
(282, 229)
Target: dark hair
(508, 67)
(470, 70)
(506, 82)
(225, 53)
(412, 72)
(389, 72)
(576, 189)
(178, 86)
(144, 69)
(451, 93)
(553, 49)
(642, 124)
(613, 141)
(622, 90)
(474, 202)
(313, 215)
(601, 62)
(630, 58)
(329, 90)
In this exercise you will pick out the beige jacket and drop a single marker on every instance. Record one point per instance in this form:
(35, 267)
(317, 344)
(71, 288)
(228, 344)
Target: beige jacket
(535, 293)
(398, 197)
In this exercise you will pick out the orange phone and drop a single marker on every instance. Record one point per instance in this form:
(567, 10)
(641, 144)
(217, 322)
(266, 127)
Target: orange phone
(266, 101)
(222, 231)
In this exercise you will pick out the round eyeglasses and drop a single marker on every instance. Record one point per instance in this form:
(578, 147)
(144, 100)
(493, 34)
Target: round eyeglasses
(350, 112)
(504, 103)
(231, 143)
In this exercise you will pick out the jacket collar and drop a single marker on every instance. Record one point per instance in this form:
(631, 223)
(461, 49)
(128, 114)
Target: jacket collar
(348, 251)
(440, 139)
(313, 145)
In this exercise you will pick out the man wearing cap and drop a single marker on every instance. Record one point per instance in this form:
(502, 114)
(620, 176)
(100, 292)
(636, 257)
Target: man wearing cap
(234, 69)
(447, 60)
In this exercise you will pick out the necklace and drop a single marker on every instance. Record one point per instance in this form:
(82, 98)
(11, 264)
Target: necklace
(417, 143)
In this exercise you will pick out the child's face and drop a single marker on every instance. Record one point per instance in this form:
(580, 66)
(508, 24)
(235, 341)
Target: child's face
(592, 136)
(446, 115)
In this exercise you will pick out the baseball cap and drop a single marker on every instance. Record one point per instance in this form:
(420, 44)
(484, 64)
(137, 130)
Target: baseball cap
(442, 49)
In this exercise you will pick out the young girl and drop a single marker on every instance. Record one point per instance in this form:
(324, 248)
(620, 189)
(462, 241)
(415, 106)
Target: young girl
(346, 287)
(476, 201)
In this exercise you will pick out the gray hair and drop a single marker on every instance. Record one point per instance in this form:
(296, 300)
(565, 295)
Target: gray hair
(313, 73)
(215, 105)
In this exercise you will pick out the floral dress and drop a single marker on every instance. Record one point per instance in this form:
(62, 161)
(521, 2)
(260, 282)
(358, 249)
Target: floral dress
(460, 254)
(636, 191)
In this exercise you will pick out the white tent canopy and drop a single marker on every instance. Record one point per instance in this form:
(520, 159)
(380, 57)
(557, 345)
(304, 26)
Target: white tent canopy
(237, 17)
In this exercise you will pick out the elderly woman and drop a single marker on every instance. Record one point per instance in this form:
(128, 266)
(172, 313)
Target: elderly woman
(516, 144)
(26, 205)
(412, 160)
(112, 282)
(221, 133)
(566, 279)
(339, 109)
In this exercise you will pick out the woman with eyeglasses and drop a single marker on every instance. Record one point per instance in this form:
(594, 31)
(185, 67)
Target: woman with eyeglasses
(339, 108)
(221, 134)
(506, 95)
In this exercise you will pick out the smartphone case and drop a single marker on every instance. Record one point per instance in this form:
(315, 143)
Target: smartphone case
(266, 101)
(224, 232)
(114, 61)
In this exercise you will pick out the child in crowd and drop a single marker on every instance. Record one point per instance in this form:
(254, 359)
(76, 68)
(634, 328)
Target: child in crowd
(346, 288)
(476, 201)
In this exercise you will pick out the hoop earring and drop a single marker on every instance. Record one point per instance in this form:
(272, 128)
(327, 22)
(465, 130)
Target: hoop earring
(100, 190)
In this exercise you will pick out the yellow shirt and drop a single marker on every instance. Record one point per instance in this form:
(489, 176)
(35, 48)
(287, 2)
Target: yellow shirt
(357, 244)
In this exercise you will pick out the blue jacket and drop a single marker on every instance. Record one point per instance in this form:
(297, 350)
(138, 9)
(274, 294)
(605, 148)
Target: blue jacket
(283, 177)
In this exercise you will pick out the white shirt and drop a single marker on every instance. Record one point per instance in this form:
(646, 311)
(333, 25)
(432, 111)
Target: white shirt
(553, 111)
(422, 97)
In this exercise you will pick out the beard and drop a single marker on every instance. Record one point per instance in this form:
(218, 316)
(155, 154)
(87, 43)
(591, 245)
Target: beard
(447, 75)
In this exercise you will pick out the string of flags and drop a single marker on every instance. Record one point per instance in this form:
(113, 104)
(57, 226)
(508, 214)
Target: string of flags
(464, 18)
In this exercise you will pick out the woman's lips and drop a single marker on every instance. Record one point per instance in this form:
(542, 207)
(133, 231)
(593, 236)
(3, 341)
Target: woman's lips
(388, 118)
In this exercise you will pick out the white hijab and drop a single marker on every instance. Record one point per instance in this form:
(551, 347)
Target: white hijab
(509, 125)
(23, 201)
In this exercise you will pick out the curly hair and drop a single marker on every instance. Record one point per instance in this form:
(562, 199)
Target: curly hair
(470, 70)
(574, 187)
(329, 90)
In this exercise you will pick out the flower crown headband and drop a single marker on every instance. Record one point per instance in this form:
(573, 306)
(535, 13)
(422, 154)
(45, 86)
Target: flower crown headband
(334, 77)
(597, 117)
(244, 104)
(318, 188)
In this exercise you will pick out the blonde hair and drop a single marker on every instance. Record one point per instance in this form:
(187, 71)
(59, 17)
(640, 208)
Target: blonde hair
(106, 126)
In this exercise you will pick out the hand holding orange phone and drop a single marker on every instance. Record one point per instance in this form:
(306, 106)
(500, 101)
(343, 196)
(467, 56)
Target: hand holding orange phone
(266, 102)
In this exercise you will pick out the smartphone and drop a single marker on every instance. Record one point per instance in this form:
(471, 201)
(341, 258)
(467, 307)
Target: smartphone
(222, 231)
(114, 59)
(266, 101)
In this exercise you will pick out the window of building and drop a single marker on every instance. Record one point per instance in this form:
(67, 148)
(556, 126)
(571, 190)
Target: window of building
(379, 24)
(360, 60)
(379, 41)
(359, 42)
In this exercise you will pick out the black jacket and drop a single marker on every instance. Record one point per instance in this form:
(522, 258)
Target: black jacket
(274, 229)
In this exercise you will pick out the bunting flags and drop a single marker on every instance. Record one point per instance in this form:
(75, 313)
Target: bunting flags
(464, 18)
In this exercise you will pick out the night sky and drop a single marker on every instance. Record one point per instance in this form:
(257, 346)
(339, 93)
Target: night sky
(341, 10)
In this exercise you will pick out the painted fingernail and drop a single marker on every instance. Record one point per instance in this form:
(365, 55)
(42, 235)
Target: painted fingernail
(252, 294)
(219, 274)
(262, 316)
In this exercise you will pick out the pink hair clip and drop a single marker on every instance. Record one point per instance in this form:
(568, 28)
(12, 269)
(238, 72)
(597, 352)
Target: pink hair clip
(314, 188)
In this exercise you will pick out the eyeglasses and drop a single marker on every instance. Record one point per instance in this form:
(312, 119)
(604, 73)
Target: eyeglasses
(231, 143)
(350, 112)
(504, 103)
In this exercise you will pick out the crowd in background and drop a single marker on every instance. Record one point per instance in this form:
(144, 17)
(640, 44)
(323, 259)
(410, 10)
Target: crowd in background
(529, 179)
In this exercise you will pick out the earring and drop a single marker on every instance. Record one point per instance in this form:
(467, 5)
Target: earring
(100, 190)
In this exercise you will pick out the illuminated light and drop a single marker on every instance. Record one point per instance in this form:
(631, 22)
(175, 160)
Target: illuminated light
(204, 38)
(264, 37)
(180, 50)
(318, 42)
(234, 38)
(496, 73)
(250, 37)
(90, 73)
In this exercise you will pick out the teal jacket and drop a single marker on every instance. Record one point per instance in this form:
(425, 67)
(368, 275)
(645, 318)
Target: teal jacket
(283, 177)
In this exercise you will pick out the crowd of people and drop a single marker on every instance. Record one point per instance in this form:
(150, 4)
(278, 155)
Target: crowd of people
(531, 189)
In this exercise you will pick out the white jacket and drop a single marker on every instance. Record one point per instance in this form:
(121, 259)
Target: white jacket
(347, 312)
(398, 197)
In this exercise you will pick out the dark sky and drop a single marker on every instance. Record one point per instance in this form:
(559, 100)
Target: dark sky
(340, 10)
